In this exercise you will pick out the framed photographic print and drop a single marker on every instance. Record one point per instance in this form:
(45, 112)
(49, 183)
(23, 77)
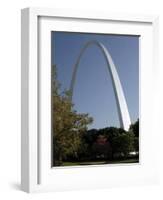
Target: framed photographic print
(89, 119)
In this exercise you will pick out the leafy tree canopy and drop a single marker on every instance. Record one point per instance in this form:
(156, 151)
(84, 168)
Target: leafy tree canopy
(68, 125)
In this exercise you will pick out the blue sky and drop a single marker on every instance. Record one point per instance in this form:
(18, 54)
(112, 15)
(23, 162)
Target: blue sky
(93, 91)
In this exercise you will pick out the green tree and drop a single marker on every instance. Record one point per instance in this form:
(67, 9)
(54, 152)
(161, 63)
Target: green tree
(136, 144)
(123, 144)
(68, 125)
(112, 133)
(135, 128)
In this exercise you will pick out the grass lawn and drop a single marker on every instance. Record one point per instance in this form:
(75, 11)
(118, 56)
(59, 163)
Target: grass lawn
(101, 162)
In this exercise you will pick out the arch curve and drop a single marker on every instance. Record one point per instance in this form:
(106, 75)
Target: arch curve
(122, 108)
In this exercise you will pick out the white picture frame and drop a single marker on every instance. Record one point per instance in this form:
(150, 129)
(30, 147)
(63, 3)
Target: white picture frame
(36, 171)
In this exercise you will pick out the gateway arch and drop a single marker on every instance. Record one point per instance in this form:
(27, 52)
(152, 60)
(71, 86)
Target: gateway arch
(122, 108)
